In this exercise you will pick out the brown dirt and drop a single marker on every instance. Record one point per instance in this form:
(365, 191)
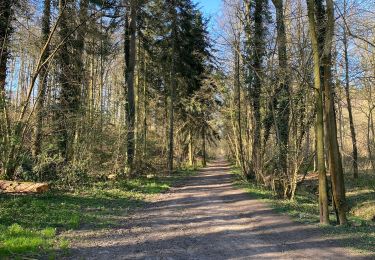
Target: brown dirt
(207, 218)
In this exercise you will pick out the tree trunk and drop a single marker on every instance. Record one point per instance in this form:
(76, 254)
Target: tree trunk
(191, 154)
(173, 85)
(80, 73)
(5, 31)
(69, 100)
(145, 110)
(130, 56)
(22, 187)
(204, 160)
(5, 141)
(236, 149)
(248, 76)
(39, 107)
(282, 92)
(323, 195)
(237, 83)
(137, 99)
(370, 137)
(258, 56)
(335, 162)
(349, 103)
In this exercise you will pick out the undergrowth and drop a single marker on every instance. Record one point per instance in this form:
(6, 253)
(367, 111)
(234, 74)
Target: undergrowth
(359, 233)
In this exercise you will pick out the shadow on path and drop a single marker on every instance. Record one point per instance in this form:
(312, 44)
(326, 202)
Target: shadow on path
(208, 218)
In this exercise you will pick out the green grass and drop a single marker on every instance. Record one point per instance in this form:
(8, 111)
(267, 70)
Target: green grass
(16, 239)
(361, 195)
(359, 233)
(29, 224)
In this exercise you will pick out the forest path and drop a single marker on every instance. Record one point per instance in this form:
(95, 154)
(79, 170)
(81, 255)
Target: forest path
(208, 218)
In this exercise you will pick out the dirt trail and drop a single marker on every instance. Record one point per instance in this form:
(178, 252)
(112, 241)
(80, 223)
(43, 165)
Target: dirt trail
(208, 218)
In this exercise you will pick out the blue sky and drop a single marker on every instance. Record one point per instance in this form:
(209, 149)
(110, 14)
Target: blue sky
(209, 8)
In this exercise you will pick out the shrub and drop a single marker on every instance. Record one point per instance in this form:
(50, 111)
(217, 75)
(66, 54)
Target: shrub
(48, 167)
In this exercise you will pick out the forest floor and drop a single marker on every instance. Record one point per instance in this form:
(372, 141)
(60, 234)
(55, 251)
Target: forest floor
(32, 225)
(206, 217)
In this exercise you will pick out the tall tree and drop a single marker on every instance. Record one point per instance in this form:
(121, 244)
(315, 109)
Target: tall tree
(69, 99)
(173, 82)
(334, 158)
(43, 79)
(282, 91)
(348, 99)
(130, 60)
(324, 17)
(258, 54)
(5, 32)
(319, 127)
(237, 91)
(6, 15)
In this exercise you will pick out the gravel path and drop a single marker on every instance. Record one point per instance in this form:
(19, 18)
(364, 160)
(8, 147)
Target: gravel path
(207, 218)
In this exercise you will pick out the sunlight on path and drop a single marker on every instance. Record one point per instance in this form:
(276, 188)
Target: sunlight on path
(208, 218)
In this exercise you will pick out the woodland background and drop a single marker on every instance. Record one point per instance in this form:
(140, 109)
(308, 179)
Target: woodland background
(111, 94)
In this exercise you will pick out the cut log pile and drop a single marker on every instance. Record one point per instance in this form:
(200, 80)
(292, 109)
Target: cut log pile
(22, 187)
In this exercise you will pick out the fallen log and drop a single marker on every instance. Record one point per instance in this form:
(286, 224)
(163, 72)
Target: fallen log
(22, 187)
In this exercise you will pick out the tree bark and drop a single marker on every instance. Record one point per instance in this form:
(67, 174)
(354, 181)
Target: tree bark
(5, 128)
(370, 136)
(43, 79)
(257, 67)
(69, 100)
(282, 92)
(323, 195)
(335, 162)
(80, 73)
(5, 31)
(145, 108)
(237, 84)
(204, 154)
(172, 87)
(129, 77)
(349, 103)
(191, 153)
